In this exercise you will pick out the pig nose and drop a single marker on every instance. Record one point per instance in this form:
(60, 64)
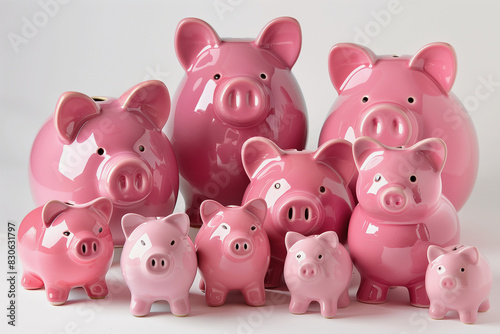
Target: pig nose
(157, 264)
(299, 213)
(87, 248)
(308, 271)
(393, 200)
(240, 248)
(448, 283)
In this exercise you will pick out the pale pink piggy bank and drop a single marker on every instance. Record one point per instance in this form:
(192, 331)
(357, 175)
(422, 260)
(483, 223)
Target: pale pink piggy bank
(317, 268)
(93, 147)
(305, 192)
(158, 262)
(233, 90)
(63, 245)
(233, 251)
(402, 100)
(401, 212)
(458, 279)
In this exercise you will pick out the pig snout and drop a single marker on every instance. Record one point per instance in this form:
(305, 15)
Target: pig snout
(157, 264)
(239, 248)
(393, 200)
(86, 247)
(299, 213)
(448, 283)
(308, 271)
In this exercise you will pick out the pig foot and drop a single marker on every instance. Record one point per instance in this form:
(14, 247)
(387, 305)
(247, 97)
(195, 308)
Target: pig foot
(371, 292)
(298, 306)
(328, 308)
(344, 300)
(180, 307)
(139, 307)
(468, 317)
(215, 295)
(96, 290)
(254, 294)
(56, 295)
(437, 310)
(31, 282)
(485, 306)
(418, 295)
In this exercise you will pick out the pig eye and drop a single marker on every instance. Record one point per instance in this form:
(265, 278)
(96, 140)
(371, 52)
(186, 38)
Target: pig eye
(143, 243)
(263, 76)
(100, 151)
(66, 233)
(217, 76)
(172, 243)
(440, 270)
(224, 226)
(322, 189)
(299, 256)
(462, 269)
(377, 178)
(253, 228)
(100, 229)
(364, 99)
(277, 185)
(411, 99)
(320, 257)
(141, 148)
(413, 179)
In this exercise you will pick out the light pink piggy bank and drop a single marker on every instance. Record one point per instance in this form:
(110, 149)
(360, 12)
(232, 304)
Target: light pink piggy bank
(401, 212)
(459, 279)
(233, 251)
(402, 100)
(93, 147)
(317, 268)
(158, 262)
(63, 246)
(305, 192)
(233, 90)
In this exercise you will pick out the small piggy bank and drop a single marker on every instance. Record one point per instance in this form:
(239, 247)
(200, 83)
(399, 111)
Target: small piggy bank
(233, 90)
(233, 251)
(401, 212)
(458, 279)
(93, 147)
(158, 262)
(317, 268)
(402, 100)
(63, 245)
(305, 192)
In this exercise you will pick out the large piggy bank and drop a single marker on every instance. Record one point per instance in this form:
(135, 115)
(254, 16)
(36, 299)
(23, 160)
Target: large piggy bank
(401, 212)
(305, 192)
(402, 100)
(63, 245)
(317, 268)
(158, 262)
(233, 251)
(93, 147)
(233, 90)
(458, 279)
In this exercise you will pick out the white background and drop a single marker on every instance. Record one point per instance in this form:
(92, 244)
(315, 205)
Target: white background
(106, 47)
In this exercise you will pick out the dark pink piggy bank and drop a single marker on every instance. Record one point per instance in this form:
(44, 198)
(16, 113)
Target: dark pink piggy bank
(233, 251)
(458, 279)
(63, 245)
(93, 147)
(158, 262)
(401, 212)
(233, 90)
(305, 192)
(402, 100)
(317, 268)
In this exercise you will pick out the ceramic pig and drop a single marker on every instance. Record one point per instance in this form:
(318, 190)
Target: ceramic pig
(458, 279)
(305, 192)
(317, 268)
(401, 212)
(402, 100)
(158, 262)
(233, 251)
(93, 147)
(233, 90)
(63, 245)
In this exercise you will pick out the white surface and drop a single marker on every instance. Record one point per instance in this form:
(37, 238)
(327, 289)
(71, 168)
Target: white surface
(105, 47)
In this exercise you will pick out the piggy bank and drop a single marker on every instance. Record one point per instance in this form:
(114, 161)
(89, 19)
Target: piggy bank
(233, 90)
(64, 245)
(93, 147)
(402, 100)
(158, 262)
(305, 192)
(317, 268)
(401, 212)
(458, 279)
(233, 251)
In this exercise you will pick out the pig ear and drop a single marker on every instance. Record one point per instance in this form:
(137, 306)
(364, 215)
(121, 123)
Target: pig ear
(150, 97)
(471, 254)
(179, 220)
(51, 210)
(256, 153)
(439, 61)
(291, 239)
(434, 150)
(337, 153)
(103, 207)
(433, 252)
(72, 111)
(258, 208)
(130, 221)
(208, 209)
(363, 147)
(283, 37)
(344, 59)
(330, 238)
(192, 37)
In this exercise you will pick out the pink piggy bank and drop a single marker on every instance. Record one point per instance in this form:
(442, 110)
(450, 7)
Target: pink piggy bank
(158, 262)
(233, 90)
(93, 147)
(305, 192)
(63, 245)
(401, 212)
(402, 100)
(459, 279)
(233, 251)
(317, 268)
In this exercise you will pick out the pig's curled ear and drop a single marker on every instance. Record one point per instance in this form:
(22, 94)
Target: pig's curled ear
(471, 254)
(179, 220)
(433, 252)
(258, 208)
(337, 154)
(291, 238)
(51, 210)
(208, 209)
(257, 152)
(432, 150)
(103, 206)
(130, 221)
(363, 148)
(330, 238)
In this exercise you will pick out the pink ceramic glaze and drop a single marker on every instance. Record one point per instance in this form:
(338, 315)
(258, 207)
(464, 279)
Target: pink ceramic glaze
(233, 90)
(233, 251)
(158, 262)
(63, 245)
(401, 212)
(305, 192)
(94, 147)
(317, 268)
(402, 100)
(458, 279)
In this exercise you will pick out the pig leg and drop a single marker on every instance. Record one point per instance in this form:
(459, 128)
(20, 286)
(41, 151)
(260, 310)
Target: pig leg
(298, 304)
(344, 300)
(30, 281)
(437, 310)
(139, 307)
(371, 292)
(418, 295)
(254, 294)
(180, 307)
(468, 316)
(328, 307)
(97, 289)
(215, 294)
(485, 306)
(56, 295)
